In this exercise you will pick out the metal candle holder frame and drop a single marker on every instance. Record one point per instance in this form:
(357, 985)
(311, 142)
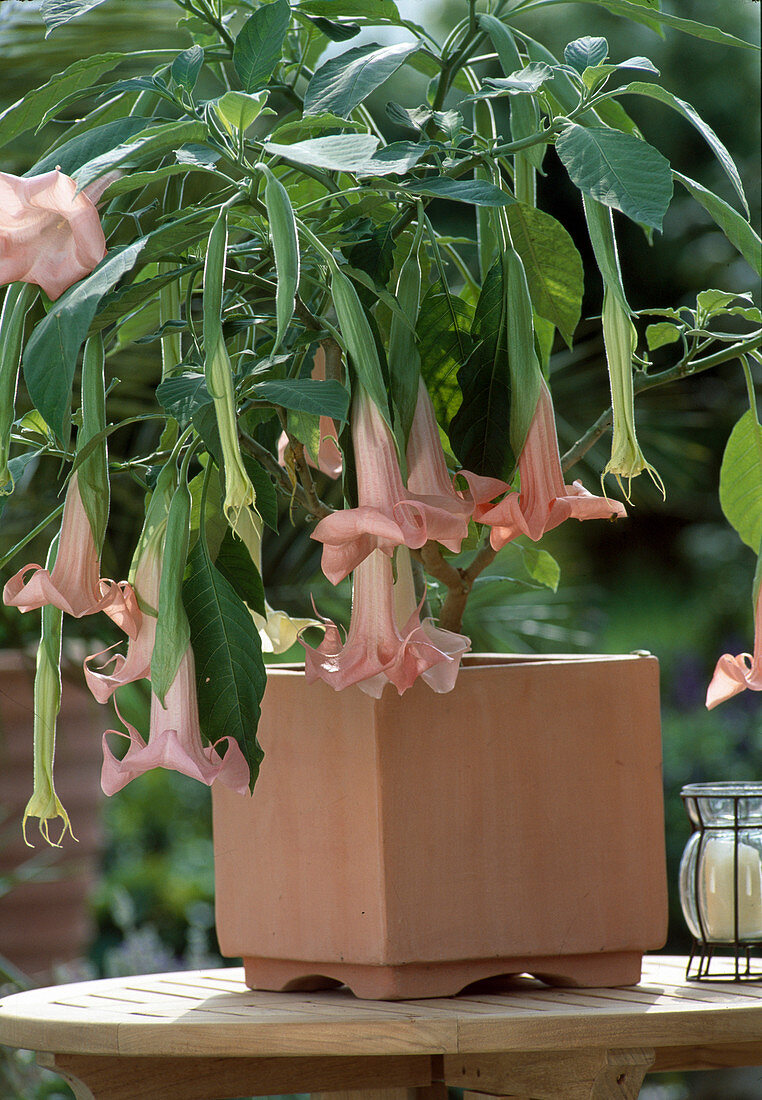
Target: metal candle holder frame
(703, 951)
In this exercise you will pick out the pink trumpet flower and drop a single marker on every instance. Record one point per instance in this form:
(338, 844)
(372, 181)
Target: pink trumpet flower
(74, 585)
(49, 235)
(174, 742)
(375, 651)
(137, 663)
(734, 674)
(544, 501)
(440, 677)
(388, 515)
(329, 459)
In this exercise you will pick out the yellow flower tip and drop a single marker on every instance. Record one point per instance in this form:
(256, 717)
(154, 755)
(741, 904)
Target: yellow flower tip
(47, 808)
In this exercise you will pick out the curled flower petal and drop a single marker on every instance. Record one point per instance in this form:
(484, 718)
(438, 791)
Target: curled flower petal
(174, 742)
(735, 674)
(544, 501)
(375, 651)
(388, 515)
(74, 584)
(49, 235)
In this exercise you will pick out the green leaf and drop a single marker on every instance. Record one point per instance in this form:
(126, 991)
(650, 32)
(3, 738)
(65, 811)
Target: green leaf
(337, 152)
(230, 672)
(187, 66)
(28, 112)
(337, 32)
(136, 181)
(552, 264)
(234, 563)
(714, 303)
(152, 142)
(85, 147)
(741, 481)
(183, 395)
(529, 79)
(584, 52)
(368, 9)
(50, 357)
(259, 44)
(633, 10)
(474, 192)
(305, 395)
(658, 335)
(444, 344)
(738, 231)
(593, 75)
(57, 12)
(618, 170)
(655, 91)
(541, 566)
(342, 83)
(525, 119)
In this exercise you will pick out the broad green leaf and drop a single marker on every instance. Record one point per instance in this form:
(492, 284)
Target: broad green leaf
(658, 335)
(741, 481)
(337, 152)
(444, 344)
(655, 91)
(584, 52)
(57, 12)
(28, 112)
(593, 75)
(342, 83)
(368, 9)
(187, 66)
(126, 299)
(337, 32)
(259, 43)
(715, 303)
(153, 142)
(552, 264)
(183, 395)
(297, 129)
(529, 79)
(230, 672)
(50, 357)
(618, 170)
(541, 566)
(86, 146)
(356, 153)
(234, 562)
(474, 192)
(305, 395)
(735, 227)
(135, 181)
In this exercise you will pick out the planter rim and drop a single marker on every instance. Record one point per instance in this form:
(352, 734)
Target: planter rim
(498, 660)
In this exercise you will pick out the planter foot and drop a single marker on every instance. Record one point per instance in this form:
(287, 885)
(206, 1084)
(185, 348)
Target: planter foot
(440, 979)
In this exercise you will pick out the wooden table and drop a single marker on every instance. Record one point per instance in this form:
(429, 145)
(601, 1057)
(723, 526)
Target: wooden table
(204, 1036)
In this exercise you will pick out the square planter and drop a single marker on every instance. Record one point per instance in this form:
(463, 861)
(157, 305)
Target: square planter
(408, 846)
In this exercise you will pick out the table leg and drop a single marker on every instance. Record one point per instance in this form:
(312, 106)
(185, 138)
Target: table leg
(550, 1075)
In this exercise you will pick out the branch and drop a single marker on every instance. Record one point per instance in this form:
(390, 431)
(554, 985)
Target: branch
(458, 582)
(311, 504)
(643, 382)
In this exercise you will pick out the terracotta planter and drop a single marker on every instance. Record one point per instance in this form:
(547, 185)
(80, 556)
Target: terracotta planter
(46, 923)
(409, 846)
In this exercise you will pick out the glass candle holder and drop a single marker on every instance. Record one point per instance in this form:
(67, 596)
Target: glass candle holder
(721, 879)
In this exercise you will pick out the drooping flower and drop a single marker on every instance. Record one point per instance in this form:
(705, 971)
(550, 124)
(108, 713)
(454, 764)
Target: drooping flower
(440, 677)
(375, 652)
(329, 460)
(427, 473)
(543, 501)
(735, 674)
(174, 742)
(388, 515)
(49, 235)
(74, 584)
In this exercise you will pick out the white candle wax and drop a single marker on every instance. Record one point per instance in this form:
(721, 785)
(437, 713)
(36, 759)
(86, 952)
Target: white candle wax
(717, 890)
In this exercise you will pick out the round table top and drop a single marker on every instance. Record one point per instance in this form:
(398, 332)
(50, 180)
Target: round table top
(211, 1012)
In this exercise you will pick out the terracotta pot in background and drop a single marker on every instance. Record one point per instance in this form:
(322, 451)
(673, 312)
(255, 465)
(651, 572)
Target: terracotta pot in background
(409, 846)
(46, 923)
